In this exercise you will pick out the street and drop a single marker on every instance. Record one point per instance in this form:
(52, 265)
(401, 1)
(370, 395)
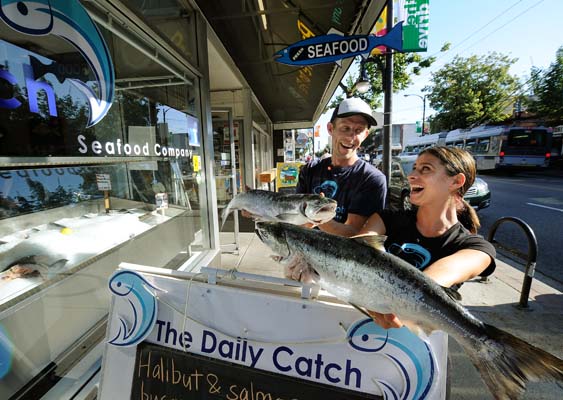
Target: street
(536, 198)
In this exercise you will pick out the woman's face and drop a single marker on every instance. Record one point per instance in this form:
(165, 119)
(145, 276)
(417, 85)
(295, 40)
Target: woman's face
(429, 181)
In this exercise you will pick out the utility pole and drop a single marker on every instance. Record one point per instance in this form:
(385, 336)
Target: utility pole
(423, 98)
(388, 99)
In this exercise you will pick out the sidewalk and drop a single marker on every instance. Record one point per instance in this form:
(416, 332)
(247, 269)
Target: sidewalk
(493, 302)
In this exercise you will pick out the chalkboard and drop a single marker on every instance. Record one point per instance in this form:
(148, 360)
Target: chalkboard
(164, 373)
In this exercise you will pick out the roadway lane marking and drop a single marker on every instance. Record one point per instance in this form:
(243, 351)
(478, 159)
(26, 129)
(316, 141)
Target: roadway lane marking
(549, 208)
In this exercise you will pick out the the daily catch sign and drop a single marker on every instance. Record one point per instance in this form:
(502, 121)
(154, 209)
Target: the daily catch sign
(213, 341)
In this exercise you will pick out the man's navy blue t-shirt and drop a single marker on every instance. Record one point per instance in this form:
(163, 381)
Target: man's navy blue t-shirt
(358, 189)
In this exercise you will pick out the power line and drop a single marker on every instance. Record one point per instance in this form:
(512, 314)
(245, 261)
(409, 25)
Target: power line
(503, 25)
(487, 35)
(478, 30)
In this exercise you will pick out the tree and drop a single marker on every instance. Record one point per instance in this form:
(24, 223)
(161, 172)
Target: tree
(547, 87)
(471, 91)
(405, 66)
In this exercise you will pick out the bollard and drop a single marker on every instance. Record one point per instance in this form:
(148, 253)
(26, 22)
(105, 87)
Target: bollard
(532, 254)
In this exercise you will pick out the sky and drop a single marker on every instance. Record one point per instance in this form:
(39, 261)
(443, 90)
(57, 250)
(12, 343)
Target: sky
(530, 30)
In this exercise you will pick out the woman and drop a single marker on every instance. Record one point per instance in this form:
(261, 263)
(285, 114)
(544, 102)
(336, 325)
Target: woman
(439, 236)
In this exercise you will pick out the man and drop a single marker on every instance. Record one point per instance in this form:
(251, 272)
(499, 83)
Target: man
(357, 186)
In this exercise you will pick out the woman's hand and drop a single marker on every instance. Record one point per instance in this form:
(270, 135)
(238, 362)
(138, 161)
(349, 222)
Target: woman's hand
(386, 321)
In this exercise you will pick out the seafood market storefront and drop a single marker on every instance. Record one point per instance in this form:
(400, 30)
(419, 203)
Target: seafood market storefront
(105, 154)
(123, 125)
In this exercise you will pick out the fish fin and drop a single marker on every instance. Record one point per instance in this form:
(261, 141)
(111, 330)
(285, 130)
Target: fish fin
(454, 294)
(285, 217)
(372, 240)
(506, 363)
(224, 214)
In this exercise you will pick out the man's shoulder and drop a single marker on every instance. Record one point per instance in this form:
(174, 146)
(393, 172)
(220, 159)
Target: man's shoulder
(316, 164)
(369, 171)
(366, 166)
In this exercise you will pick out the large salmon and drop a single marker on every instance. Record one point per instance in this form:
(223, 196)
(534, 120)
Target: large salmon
(365, 276)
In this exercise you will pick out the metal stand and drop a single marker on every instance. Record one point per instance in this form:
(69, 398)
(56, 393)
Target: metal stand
(530, 258)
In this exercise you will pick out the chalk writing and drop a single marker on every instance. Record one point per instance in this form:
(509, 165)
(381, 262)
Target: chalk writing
(169, 374)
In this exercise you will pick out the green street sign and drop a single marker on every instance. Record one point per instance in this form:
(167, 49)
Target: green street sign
(415, 26)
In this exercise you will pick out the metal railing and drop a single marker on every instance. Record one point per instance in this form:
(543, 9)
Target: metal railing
(530, 258)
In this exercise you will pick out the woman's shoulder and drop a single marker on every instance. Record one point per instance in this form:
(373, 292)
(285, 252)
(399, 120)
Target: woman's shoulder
(471, 240)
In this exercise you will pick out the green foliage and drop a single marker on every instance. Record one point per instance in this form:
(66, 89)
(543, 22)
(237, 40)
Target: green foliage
(547, 87)
(405, 67)
(471, 91)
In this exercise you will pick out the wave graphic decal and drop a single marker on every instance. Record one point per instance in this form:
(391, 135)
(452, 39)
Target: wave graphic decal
(404, 349)
(68, 20)
(139, 294)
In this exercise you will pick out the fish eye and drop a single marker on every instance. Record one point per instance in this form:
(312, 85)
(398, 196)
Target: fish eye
(365, 337)
(22, 8)
(118, 284)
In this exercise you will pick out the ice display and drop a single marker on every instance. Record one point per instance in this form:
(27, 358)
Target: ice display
(32, 256)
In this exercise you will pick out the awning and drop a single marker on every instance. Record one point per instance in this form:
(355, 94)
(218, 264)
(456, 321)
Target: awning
(287, 93)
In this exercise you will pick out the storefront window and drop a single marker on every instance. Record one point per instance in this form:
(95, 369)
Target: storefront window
(100, 163)
(172, 20)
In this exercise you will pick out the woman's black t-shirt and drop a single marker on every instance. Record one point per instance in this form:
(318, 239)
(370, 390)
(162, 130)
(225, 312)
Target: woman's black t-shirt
(404, 241)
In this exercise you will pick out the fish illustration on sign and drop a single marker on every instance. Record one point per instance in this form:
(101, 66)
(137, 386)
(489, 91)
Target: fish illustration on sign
(405, 350)
(139, 293)
(68, 20)
(334, 47)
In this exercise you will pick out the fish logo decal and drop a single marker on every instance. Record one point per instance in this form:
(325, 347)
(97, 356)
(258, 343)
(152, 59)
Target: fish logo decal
(334, 47)
(404, 349)
(68, 20)
(134, 289)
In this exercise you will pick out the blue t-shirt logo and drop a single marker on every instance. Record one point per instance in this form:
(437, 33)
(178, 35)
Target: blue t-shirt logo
(412, 253)
(329, 188)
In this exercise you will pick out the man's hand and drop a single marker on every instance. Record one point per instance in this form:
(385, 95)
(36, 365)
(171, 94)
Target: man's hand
(385, 320)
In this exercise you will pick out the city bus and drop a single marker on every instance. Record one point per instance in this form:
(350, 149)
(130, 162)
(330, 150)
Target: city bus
(495, 147)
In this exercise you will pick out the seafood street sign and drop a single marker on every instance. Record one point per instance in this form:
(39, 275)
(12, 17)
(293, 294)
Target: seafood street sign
(334, 47)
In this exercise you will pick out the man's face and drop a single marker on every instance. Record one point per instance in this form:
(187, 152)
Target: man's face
(347, 135)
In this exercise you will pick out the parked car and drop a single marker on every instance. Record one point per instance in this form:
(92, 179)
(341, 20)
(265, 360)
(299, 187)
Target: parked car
(478, 195)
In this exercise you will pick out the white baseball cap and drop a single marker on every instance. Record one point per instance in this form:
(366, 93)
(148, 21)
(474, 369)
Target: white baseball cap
(354, 106)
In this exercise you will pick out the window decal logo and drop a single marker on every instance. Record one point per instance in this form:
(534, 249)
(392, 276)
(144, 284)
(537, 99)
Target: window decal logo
(68, 20)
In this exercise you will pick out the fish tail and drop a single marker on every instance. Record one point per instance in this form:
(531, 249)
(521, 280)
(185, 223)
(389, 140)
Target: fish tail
(507, 363)
(224, 214)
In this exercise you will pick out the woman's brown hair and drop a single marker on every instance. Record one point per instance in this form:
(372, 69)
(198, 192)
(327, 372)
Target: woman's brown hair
(457, 161)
